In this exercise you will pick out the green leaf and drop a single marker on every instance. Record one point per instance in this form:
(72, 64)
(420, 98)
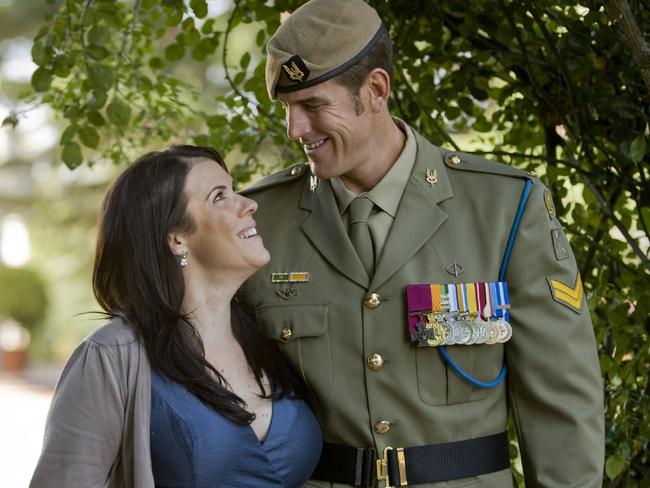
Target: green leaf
(89, 137)
(637, 148)
(41, 80)
(202, 49)
(156, 62)
(96, 118)
(174, 52)
(452, 113)
(96, 100)
(98, 36)
(71, 155)
(10, 120)
(239, 78)
(645, 214)
(97, 53)
(39, 53)
(208, 27)
(199, 7)
(68, 134)
(72, 112)
(260, 38)
(614, 466)
(245, 60)
(174, 13)
(101, 76)
(118, 112)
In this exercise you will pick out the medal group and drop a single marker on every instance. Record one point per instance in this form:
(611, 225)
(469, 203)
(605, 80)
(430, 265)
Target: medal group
(458, 313)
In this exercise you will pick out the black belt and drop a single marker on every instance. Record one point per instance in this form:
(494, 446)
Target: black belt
(360, 466)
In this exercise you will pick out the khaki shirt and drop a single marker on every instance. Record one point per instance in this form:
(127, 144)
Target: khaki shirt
(386, 194)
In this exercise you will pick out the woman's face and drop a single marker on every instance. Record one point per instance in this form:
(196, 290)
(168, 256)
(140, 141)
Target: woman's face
(224, 238)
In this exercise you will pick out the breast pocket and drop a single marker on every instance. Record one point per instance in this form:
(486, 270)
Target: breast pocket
(301, 330)
(439, 384)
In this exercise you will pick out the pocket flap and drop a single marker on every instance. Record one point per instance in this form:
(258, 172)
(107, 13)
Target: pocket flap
(289, 322)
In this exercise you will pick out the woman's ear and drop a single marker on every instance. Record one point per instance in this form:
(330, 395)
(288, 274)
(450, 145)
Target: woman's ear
(177, 243)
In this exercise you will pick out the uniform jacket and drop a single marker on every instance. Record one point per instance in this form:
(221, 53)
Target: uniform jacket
(97, 431)
(553, 387)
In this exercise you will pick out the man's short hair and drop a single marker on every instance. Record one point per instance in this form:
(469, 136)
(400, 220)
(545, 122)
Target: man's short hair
(379, 56)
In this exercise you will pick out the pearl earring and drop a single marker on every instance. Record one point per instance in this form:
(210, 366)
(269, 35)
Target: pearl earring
(183, 261)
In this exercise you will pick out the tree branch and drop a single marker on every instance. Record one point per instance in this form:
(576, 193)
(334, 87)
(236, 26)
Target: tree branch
(584, 175)
(237, 91)
(607, 211)
(427, 117)
(634, 37)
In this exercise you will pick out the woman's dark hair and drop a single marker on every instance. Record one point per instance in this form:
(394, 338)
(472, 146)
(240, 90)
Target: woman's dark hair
(137, 277)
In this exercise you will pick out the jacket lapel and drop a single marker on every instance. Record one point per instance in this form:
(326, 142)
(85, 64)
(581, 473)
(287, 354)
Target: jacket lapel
(323, 227)
(418, 215)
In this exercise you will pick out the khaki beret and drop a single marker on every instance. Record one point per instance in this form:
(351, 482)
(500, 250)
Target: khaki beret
(318, 41)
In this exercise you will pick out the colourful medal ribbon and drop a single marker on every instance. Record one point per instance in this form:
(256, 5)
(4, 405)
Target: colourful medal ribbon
(505, 300)
(462, 298)
(487, 308)
(444, 299)
(453, 298)
(494, 297)
(436, 298)
(472, 307)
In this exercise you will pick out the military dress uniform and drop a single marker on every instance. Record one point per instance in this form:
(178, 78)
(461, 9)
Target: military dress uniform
(346, 333)
(396, 400)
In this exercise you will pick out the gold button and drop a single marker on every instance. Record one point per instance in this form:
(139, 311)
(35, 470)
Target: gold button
(454, 159)
(375, 362)
(382, 426)
(372, 301)
(285, 334)
(298, 170)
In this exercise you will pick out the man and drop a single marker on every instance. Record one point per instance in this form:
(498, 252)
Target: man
(387, 288)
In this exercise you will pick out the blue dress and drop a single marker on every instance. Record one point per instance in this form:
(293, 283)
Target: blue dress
(193, 446)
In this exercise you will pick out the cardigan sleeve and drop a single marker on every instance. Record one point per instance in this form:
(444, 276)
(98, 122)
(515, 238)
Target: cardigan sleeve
(83, 433)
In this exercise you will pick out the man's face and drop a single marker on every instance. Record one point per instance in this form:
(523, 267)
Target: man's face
(333, 127)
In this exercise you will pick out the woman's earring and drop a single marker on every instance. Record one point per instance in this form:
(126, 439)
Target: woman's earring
(183, 261)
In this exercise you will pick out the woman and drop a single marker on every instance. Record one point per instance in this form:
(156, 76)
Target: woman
(179, 388)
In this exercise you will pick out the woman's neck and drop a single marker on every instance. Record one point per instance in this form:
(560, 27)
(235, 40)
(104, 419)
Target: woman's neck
(208, 307)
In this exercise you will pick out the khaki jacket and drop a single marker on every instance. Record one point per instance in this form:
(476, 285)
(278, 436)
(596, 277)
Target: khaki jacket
(553, 387)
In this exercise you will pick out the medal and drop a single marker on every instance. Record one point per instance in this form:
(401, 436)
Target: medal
(458, 313)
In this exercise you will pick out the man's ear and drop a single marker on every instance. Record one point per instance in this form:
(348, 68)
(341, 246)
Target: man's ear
(378, 83)
(177, 243)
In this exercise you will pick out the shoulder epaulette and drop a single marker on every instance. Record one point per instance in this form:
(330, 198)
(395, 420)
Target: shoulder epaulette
(471, 162)
(283, 176)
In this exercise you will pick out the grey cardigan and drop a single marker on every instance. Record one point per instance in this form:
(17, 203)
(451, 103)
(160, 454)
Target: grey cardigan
(97, 431)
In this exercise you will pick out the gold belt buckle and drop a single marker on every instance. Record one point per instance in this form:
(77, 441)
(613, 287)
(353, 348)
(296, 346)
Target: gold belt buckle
(382, 467)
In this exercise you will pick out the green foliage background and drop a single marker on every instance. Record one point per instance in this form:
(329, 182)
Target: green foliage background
(24, 296)
(548, 86)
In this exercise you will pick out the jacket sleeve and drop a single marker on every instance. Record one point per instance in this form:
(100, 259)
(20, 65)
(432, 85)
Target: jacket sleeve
(555, 384)
(85, 422)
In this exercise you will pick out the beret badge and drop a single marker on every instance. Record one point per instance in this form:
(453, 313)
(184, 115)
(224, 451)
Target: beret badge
(295, 69)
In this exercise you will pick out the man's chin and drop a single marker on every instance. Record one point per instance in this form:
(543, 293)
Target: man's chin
(319, 170)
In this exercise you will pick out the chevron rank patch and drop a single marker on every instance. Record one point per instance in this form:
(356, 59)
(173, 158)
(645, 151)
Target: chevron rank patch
(568, 295)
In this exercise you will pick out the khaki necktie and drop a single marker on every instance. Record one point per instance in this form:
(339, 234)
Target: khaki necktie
(360, 209)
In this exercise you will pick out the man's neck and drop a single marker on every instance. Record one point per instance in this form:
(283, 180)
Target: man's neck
(390, 142)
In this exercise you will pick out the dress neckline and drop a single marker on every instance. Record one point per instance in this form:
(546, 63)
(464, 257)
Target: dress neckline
(270, 428)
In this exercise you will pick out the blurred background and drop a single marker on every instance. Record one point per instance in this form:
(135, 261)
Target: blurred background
(47, 233)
